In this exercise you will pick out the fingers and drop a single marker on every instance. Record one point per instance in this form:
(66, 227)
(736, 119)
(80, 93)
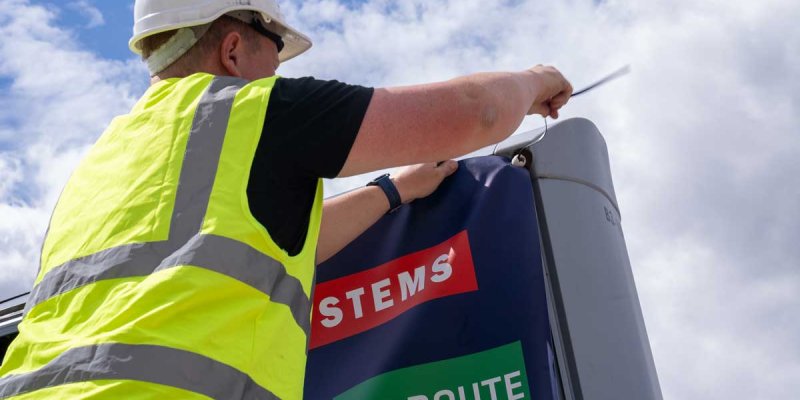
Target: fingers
(553, 105)
(561, 98)
(420, 180)
(447, 167)
(554, 91)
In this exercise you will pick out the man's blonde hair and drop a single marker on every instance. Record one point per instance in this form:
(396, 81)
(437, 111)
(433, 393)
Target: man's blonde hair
(192, 61)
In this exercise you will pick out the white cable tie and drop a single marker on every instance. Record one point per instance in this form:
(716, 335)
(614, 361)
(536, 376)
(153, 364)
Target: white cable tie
(519, 160)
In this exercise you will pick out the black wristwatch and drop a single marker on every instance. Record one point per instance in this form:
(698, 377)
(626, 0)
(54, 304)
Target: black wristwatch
(385, 183)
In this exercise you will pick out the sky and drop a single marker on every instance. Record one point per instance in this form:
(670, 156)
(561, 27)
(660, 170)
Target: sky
(702, 135)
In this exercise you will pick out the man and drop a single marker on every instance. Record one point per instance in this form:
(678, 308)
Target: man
(179, 260)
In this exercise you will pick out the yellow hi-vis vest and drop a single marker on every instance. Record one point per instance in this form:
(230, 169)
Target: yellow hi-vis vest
(156, 281)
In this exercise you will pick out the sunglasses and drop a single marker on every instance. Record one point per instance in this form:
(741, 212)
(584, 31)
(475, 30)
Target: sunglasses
(259, 27)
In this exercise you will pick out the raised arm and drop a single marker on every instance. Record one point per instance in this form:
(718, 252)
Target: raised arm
(438, 121)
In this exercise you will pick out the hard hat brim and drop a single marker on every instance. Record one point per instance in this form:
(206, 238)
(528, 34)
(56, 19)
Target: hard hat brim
(295, 42)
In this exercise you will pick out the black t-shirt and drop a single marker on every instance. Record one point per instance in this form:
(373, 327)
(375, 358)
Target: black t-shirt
(309, 129)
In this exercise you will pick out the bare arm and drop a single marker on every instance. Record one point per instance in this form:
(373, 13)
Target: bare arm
(346, 217)
(438, 121)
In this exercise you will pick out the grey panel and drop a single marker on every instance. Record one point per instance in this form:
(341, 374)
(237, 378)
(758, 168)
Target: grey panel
(600, 336)
(11, 314)
(9, 327)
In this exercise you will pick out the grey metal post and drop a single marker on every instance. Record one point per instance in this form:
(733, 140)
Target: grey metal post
(600, 338)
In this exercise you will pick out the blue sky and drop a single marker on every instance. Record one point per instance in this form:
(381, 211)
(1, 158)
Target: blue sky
(702, 138)
(101, 27)
(109, 39)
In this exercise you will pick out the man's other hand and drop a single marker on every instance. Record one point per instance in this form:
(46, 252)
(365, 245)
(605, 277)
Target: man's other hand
(420, 180)
(553, 91)
(444, 120)
(347, 216)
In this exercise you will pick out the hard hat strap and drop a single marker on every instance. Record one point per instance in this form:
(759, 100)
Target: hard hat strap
(175, 47)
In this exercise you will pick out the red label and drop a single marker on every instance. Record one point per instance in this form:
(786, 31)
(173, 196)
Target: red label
(356, 303)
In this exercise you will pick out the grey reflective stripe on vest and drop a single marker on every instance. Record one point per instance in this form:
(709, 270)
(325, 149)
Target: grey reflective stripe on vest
(199, 169)
(242, 262)
(203, 151)
(219, 254)
(116, 361)
(185, 246)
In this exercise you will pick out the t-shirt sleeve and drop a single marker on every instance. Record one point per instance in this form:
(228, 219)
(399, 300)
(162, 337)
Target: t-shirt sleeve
(311, 125)
(308, 132)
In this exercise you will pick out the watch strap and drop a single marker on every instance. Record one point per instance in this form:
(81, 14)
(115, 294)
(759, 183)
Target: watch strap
(388, 187)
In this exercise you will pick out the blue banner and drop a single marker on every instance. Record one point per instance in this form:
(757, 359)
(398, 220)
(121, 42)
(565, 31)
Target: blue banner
(443, 299)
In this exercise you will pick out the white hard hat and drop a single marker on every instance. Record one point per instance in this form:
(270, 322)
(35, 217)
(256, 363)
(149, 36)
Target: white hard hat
(155, 16)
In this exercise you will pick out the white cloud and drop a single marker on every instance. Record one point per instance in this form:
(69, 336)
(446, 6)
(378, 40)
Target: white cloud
(702, 137)
(703, 144)
(10, 175)
(92, 14)
(58, 100)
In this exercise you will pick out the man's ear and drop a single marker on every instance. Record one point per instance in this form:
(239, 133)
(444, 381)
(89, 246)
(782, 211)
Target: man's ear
(230, 52)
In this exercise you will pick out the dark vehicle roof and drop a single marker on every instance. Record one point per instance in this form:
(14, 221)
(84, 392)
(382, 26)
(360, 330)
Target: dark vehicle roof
(11, 313)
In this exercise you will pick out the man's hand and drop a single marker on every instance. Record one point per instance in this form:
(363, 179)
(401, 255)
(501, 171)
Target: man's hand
(347, 216)
(418, 181)
(552, 91)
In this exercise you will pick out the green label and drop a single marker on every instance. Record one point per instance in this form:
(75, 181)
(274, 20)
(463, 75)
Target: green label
(496, 374)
